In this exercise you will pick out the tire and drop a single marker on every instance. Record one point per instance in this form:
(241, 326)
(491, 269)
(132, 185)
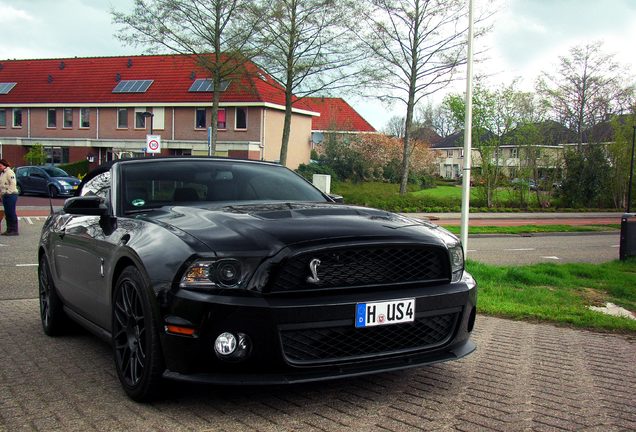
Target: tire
(19, 189)
(54, 320)
(136, 347)
(53, 192)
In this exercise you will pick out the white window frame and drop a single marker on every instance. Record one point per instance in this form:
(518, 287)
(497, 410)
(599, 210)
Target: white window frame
(236, 118)
(514, 152)
(196, 115)
(119, 111)
(143, 119)
(13, 118)
(159, 118)
(85, 112)
(64, 126)
(217, 119)
(50, 125)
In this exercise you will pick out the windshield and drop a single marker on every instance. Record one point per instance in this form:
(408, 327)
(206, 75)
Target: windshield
(200, 182)
(55, 172)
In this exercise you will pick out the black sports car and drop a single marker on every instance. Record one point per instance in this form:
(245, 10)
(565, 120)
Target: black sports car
(241, 272)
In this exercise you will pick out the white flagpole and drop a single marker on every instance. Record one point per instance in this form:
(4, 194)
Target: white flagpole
(468, 125)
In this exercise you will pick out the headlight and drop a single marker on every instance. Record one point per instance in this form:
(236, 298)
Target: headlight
(64, 183)
(457, 261)
(225, 273)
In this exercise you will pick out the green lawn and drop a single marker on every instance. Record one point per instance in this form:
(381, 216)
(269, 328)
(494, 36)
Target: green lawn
(558, 293)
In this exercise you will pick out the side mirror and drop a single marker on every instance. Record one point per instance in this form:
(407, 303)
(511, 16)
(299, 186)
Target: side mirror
(86, 205)
(336, 198)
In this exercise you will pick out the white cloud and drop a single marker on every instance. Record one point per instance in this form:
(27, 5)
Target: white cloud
(10, 14)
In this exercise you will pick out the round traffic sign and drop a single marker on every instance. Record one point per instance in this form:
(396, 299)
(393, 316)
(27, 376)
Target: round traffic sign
(153, 145)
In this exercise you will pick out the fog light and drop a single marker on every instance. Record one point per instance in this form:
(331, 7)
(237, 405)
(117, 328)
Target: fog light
(232, 347)
(225, 344)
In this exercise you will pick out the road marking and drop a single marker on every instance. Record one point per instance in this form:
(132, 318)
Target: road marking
(551, 257)
(520, 249)
(615, 246)
(26, 265)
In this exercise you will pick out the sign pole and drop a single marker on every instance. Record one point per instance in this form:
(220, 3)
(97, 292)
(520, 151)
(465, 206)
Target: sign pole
(468, 126)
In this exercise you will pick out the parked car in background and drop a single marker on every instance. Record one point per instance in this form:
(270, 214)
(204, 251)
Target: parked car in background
(518, 183)
(47, 180)
(241, 272)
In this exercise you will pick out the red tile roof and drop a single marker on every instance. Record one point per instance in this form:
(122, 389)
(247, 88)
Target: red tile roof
(92, 80)
(335, 115)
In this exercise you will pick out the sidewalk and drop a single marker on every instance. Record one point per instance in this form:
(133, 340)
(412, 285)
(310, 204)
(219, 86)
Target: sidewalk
(516, 219)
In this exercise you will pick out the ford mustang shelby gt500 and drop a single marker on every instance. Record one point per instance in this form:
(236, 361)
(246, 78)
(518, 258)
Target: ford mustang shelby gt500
(240, 272)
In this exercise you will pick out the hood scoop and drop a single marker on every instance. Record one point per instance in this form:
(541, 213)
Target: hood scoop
(295, 210)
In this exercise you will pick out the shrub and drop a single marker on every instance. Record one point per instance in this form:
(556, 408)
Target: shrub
(77, 169)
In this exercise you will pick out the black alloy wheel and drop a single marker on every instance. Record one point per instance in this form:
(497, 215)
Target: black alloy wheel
(54, 320)
(138, 357)
(53, 192)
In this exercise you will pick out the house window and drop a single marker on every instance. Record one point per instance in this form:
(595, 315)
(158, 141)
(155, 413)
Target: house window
(240, 122)
(449, 153)
(461, 153)
(199, 118)
(68, 117)
(122, 118)
(140, 119)
(85, 118)
(514, 152)
(221, 123)
(3, 118)
(17, 117)
(51, 118)
(57, 155)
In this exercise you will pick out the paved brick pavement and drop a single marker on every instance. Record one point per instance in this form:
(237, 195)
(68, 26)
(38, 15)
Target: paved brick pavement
(523, 377)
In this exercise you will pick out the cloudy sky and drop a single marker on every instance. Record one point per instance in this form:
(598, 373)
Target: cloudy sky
(528, 35)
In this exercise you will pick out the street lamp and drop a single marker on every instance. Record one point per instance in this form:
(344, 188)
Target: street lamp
(147, 114)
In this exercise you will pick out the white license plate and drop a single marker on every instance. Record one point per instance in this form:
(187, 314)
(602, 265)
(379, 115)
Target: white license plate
(384, 313)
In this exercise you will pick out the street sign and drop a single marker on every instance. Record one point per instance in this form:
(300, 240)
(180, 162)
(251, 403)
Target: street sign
(153, 143)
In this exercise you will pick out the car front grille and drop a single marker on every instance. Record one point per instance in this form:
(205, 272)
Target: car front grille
(361, 266)
(346, 343)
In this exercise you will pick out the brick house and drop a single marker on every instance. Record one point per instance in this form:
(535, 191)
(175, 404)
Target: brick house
(101, 108)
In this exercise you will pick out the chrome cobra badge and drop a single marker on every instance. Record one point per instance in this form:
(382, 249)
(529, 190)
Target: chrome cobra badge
(313, 267)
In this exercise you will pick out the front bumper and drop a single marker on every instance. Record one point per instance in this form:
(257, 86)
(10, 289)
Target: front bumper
(300, 339)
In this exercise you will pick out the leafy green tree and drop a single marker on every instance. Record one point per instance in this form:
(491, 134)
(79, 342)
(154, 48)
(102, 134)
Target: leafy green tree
(496, 112)
(36, 155)
(619, 153)
(587, 175)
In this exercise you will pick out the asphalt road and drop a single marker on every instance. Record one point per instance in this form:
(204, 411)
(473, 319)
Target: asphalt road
(523, 376)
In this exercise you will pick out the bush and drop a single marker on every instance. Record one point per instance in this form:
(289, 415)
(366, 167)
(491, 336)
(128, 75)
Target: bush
(308, 170)
(77, 169)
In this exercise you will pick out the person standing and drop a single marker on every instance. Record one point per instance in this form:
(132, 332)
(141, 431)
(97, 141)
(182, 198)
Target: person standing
(9, 194)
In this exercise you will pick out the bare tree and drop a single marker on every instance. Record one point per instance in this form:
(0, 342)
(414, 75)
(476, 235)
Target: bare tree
(439, 118)
(306, 46)
(209, 30)
(417, 46)
(395, 127)
(585, 89)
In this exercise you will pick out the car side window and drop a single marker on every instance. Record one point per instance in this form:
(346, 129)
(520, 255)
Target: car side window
(99, 185)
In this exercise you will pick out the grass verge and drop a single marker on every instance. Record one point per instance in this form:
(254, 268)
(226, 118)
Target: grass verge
(558, 293)
(532, 229)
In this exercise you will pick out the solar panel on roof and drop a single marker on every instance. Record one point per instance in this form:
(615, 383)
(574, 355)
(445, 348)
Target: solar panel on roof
(132, 86)
(6, 87)
(206, 85)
